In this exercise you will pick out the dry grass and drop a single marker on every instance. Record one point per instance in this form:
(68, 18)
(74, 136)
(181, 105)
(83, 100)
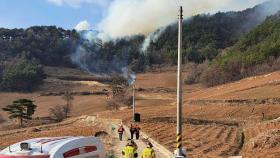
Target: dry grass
(82, 126)
(201, 140)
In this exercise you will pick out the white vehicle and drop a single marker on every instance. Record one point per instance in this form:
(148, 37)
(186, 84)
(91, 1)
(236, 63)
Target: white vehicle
(60, 147)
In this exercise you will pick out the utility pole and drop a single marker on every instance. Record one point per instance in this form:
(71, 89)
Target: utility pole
(133, 102)
(179, 151)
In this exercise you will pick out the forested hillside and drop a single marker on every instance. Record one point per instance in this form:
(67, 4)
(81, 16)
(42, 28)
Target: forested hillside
(255, 53)
(48, 44)
(22, 53)
(220, 40)
(205, 36)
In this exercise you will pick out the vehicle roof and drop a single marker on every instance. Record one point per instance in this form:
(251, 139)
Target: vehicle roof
(40, 145)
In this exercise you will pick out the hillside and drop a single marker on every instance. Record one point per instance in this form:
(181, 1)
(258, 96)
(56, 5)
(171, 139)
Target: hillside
(255, 53)
(218, 122)
(215, 119)
(50, 45)
(219, 40)
(204, 36)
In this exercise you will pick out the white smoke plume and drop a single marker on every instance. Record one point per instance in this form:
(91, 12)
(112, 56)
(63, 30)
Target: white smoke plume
(82, 26)
(152, 37)
(89, 33)
(130, 17)
(129, 75)
(87, 54)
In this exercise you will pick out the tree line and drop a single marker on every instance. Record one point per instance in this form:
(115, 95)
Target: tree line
(220, 40)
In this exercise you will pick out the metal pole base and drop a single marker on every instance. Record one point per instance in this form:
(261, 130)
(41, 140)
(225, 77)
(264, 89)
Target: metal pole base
(184, 153)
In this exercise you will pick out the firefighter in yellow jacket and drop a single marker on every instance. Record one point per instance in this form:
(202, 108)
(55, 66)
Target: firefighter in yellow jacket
(129, 151)
(148, 152)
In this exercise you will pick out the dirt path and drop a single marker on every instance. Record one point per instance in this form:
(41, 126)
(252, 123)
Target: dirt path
(160, 153)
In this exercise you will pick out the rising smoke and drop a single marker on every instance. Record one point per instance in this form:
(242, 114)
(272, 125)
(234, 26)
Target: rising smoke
(152, 37)
(90, 56)
(130, 17)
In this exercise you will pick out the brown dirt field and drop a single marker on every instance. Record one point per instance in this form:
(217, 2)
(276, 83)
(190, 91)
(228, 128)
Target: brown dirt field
(88, 104)
(165, 79)
(262, 139)
(82, 105)
(214, 139)
(208, 129)
(259, 87)
(264, 86)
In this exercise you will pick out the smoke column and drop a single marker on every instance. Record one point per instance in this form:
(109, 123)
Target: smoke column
(130, 17)
(88, 55)
(152, 37)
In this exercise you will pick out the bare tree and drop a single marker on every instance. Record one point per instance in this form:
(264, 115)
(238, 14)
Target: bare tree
(120, 94)
(68, 97)
(61, 112)
(58, 113)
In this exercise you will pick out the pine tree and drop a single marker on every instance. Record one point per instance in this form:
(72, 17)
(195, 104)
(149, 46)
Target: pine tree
(21, 109)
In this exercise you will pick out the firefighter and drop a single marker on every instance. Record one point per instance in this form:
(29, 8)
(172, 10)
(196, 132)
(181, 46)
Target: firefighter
(120, 131)
(129, 151)
(132, 131)
(148, 152)
(137, 131)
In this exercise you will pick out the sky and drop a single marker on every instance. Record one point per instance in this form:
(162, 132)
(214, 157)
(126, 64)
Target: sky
(26, 13)
(115, 17)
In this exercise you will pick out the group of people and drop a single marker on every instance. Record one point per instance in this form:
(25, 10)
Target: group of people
(130, 150)
(134, 130)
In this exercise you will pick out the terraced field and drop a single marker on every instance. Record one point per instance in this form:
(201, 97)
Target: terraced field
(212, 140)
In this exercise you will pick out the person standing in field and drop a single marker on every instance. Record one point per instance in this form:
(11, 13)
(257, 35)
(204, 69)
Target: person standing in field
(120, 131)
